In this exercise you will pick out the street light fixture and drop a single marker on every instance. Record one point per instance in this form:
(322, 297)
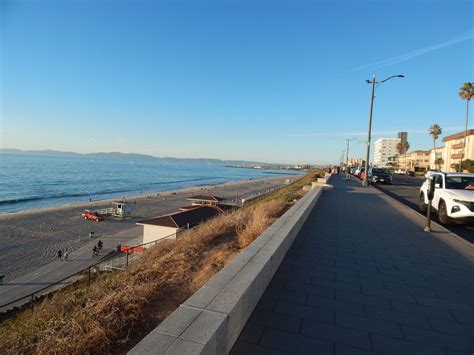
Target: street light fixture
(369, 133)
(348, 140)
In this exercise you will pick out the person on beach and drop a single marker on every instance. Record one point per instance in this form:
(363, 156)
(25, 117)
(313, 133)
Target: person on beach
(60, 254)
(95, 251)
(100, 245)
(66, 255)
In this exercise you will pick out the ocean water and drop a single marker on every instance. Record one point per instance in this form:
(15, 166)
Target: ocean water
(32, 182)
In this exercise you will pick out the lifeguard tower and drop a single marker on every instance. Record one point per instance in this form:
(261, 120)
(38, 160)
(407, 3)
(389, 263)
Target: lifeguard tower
(121, 209)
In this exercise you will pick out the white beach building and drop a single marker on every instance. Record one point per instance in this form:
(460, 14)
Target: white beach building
(385, 148)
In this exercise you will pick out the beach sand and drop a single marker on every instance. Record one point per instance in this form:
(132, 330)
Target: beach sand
(30, 239)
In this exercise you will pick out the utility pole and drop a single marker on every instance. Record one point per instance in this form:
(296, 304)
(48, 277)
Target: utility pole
(465, 137)
(369, 134)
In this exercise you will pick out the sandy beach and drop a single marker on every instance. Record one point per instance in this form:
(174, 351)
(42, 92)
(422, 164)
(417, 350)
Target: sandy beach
(30, 239)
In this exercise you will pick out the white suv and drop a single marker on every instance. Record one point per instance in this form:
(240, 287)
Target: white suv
(453, 196)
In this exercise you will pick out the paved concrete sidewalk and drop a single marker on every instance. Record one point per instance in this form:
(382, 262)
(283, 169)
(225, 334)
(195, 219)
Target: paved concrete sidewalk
(362, 277)
(57, 270)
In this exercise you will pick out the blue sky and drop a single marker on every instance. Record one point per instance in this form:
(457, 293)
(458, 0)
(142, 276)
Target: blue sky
(277, 81)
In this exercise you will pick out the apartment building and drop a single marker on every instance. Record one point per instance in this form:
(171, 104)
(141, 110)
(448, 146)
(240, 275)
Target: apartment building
(353, 161)
(384, 149)
(436, 155)
(453, 151)
(418, 160)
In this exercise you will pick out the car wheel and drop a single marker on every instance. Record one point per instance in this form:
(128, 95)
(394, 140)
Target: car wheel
(443, 213)
(423, 205)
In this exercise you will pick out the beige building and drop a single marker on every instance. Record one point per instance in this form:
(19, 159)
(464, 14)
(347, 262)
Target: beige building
(169, 226)
(454, 149)
(418, 160)
(202, 208)
(355, 161)
(433, 156)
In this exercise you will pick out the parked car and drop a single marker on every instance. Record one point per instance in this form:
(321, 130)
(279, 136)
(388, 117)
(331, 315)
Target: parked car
(91, 215)
(378, 175)
(453, 196)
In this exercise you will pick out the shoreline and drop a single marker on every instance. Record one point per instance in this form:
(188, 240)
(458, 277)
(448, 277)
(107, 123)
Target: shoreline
(30, 239)
(99, 202)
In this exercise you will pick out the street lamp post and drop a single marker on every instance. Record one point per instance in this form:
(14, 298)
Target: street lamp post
(369, 132)
(342, 157)
(348, 140)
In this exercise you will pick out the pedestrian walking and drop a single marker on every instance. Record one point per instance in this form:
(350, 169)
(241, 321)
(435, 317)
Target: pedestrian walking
(60, 254)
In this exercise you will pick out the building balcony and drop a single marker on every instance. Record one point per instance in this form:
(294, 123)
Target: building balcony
(456, 156)
(457, 146)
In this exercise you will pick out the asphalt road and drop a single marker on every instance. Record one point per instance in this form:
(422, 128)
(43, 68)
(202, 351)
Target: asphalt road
(406, 189)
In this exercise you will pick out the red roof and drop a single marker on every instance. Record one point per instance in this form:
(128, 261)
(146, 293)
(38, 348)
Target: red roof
(458, 135)
(183, 218)
(205, 198)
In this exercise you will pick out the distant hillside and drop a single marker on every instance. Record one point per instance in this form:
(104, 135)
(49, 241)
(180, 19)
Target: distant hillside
(128, 156)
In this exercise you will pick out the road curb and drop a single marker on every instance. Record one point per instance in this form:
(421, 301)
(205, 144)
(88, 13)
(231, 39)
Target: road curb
(420, 215)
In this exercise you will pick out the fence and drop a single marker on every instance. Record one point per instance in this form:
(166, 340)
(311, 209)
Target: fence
(116, 260)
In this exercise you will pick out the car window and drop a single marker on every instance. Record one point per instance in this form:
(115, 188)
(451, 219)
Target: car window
(460, 182)
(438, 179)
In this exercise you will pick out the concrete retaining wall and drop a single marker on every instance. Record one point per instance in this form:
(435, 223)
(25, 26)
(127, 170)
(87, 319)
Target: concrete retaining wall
(211, 320)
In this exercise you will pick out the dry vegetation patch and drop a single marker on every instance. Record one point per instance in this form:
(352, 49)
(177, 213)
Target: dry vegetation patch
(119, 308)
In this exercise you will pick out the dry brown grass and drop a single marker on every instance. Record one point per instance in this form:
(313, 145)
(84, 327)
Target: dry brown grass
(118, 309)
(261, 218)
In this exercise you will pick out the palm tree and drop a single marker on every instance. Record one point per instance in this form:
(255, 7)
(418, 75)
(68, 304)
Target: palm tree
(435, 131)
(402, 148)
(466, 92)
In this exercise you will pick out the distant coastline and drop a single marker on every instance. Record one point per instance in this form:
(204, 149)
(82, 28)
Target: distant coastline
(59, 180)
(254, 166)
(128, 156)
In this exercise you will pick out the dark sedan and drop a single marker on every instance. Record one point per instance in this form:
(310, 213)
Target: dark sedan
(377, 175)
